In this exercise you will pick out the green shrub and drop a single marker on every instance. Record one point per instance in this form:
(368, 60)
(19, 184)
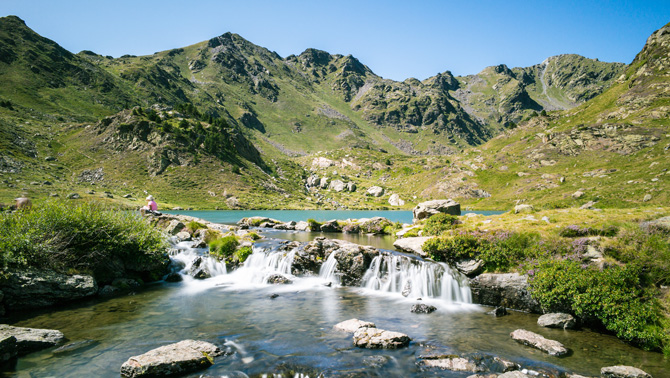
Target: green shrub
(612, 297)
(439, 223)
(223, 248)
(211, 235)
(412, 233)
(79, 237)
(241, 254)
(651, 251)
(314, 225)
(252, 236)
(574, 231)
(194, 226)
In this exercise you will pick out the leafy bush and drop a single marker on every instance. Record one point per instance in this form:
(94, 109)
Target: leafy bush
(241, 254)
(574, 231)
(439, 223)
(612, 297)
(194, 226)
(223, 248)
(411, 233)
(498, 250)
(80, 237)
(651, 251)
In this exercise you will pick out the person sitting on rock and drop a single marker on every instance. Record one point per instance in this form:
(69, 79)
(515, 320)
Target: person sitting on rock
(151, 207)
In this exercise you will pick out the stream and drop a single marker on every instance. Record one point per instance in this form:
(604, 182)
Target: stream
(287, 329)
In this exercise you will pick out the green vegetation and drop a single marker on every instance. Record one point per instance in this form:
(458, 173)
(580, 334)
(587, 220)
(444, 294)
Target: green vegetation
(439, 223)
(314, 225)
(223, 248)
(194, 226)
(82, 237)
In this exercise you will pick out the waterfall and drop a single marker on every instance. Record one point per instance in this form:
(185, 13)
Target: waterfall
(262, 264)
(415, 278)
(183, 255)
(328, 269)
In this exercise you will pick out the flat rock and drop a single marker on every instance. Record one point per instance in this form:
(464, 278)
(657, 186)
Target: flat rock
(450, 363)
(551, 347)
(470, 267)
(31, 339)
(514, 374)
(421, 308)
(622, 371)
(374, 338)
(38, 288)
(557, 320)
(179, 358)
(352, 325)
(412, 245)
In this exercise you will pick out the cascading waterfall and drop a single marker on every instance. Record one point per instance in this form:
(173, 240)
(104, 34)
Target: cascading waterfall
(264, 263)
(184, 256)
(328, 269)
(415, 278)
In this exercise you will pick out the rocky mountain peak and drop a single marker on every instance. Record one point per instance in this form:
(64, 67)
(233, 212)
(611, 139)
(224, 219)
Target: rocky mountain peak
(311, 57)
(656, 52)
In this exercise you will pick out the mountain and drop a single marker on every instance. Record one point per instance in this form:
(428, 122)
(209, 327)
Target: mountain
(228, 111)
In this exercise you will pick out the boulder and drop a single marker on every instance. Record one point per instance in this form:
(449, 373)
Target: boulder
(647, 198)
(331, 226)
(498, 312)
(352, 325)
(411, 245)
(322, 162)
(31, 339)
(504, 289)
(470, 267)
(8, 348)
(313, 180)
(73, 196)
(551, 347)
(514, 374)
(198, 269)
(453, 363)
(323, 183)
(395, 200)
(351, 186)
(578, 194)
(278, 279)
(39, 288)
(286, 226)
(174, 277)
(523, 208)
(337, 185)
(587, 206)
(660, 224)
(557, 320)
(421, 308)
(506, 365)
(375, 191)
(174, 359)
(375, 338)
(621, 371)
(429, 208)
(302, 226)
(174, 227)
(183, 236)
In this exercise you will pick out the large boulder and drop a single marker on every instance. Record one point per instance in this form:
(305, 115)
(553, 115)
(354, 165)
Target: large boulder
(375, 191)
(557, 320)
(551, 347)
(352, 325)
(31, 339)
(174, 359)
(374, 225)
(395, 200)
(411, 245)
(337, 185)
(375, 338)
(40, 288)
(453, 363)
(470, 267)
(429, 208)
(353, 260)
(623, 372)
(331, 226)
(523, 208)
(660, 224)
(504, 289)
(8, 348)
(199, 269)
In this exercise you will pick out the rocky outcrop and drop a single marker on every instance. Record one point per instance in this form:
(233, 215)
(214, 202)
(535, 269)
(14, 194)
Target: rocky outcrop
(421, 308)
(375, 191)
(557, 320)
(427, 209)
(8, 349)
(395, 200)
(411, 245)
(375, 338)
(31, 339)
(352, 325)
(623, 372)
(507, 289)
(353, 260)
(40, 288)
(551, 347)
(174, 359)
(660, 224)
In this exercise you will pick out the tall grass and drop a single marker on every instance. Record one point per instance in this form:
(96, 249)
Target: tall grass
(79, 237)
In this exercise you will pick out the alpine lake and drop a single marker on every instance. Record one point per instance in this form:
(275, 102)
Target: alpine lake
(287, 330)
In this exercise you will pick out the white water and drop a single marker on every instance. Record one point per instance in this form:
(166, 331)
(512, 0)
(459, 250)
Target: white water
(394, 273)
(388, 274)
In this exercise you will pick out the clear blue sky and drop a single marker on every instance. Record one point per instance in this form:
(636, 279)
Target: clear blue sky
(396, 39)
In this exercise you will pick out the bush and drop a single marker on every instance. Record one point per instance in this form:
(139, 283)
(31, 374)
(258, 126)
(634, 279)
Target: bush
(651, 251)
(223, 248)
(252, 236)
(439, 223)
(612, 297)
(211, 235)
(194, 226)
(81, 237)
(241, 254)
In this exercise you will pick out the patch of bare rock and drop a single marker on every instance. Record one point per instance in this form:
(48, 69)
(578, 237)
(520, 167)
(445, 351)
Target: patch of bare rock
(173, 359)
(551, 347)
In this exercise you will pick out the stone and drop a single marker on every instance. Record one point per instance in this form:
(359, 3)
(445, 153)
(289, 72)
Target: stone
(578, 194)
(587, 206)
(510, 290)
(506, 365)
(470, 267)
(429, 208)
(199, 270)
(621, 371)
(8, 348)
(174, 277)
(375, 338)
(323, 183)
(183, 236)
(523, 208)
(25, 289)
(174, 227)
(337, 185)
(73, 196)
(331, 226)
(375, 191)
(421, 308)
(395, 200)
(302, 226)
(174, 359)
(322, 162)
(351, 186)
(31, 339)
(551, 347)
(407, 290)
(647, 198)
(453, 363)
(76, 346)
(498, 312)
(514, 374)
(557, 320)
(660, 224)
(278, 279)
(352, 325)
(412, 245)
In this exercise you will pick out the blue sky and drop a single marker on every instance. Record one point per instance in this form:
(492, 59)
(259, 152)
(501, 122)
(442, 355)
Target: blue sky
(396, 39)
